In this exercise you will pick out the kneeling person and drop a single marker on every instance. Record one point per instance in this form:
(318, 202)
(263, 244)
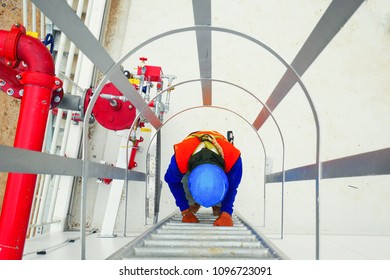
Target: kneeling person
(205, 170)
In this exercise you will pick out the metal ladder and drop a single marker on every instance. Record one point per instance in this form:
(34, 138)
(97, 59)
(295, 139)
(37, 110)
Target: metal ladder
(172, 239)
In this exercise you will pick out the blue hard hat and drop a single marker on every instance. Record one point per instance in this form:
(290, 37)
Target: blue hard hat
(208, 184)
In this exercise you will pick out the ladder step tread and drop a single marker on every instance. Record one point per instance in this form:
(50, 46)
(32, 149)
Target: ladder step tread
(201, 252)
(203, 225)
(203, 231)
(206, 221)
(202, 243)
(176, 240)
(202, 237)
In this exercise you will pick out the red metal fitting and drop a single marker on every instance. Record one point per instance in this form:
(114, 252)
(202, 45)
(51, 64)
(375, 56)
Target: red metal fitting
(115, 114)
(56, 97)
(40, 79)
(134, 150)
(152, 73)
(106, 181)
(32, 71)
(76, 117)
(115, 105)
(9, 82)
(11, 43)
(44, 80)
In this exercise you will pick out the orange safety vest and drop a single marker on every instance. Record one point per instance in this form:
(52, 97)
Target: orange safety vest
(185, 149)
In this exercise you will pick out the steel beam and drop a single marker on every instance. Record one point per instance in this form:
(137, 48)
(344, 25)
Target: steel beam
(334, 18)
(365, 164)
(19, 161)
(202, 16)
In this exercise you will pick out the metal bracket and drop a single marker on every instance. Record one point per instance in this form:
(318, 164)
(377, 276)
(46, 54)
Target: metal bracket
(134, 150)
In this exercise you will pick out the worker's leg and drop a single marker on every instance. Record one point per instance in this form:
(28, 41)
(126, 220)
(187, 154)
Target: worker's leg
(194, 207)
(187, 191)
(217, 209)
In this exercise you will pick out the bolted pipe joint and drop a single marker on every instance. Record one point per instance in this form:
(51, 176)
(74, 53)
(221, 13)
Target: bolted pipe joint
(39, 85)
(24, 60)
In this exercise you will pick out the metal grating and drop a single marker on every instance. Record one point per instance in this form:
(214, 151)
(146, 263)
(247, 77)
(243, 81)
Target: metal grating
(172, 239)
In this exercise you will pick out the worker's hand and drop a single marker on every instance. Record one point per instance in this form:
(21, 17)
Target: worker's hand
(224, 220)
(189, 217)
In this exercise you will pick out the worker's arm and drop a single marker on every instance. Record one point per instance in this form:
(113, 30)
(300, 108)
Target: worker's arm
(173, 177)
(234, 178)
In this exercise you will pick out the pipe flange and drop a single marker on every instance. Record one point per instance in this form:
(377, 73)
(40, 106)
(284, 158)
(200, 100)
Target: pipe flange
(11, 44)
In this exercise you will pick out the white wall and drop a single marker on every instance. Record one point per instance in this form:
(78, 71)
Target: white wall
(348, 83)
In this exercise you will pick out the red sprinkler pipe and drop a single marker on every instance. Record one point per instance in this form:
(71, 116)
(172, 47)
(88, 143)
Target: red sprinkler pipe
(39, 83)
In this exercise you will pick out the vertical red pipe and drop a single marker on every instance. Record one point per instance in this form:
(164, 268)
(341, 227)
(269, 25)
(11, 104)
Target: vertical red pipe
(20, 187)
(29, 135)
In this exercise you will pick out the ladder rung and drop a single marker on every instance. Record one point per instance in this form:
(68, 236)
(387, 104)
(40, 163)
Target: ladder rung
(201, 252)
(202, 237)
(204, 231)
(183, 226)
(173, 239)
(207, 220)
(202, 243)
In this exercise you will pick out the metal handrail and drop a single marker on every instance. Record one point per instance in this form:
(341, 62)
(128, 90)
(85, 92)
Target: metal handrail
(212, 107)
(115, 69)
(272, 116)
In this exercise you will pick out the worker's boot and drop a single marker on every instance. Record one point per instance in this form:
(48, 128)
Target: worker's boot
(224, 220)
(216, 210)
(194, 208)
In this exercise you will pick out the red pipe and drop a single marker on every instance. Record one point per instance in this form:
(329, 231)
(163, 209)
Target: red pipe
(30, 133)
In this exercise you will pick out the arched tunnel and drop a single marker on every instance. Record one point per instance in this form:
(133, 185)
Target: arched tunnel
(302, 91)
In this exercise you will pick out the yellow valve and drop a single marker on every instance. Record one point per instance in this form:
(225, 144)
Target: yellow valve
(134, 81)
(146, 129)
(32, 34)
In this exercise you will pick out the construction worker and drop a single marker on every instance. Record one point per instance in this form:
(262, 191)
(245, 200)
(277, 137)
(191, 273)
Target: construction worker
(205, 170)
